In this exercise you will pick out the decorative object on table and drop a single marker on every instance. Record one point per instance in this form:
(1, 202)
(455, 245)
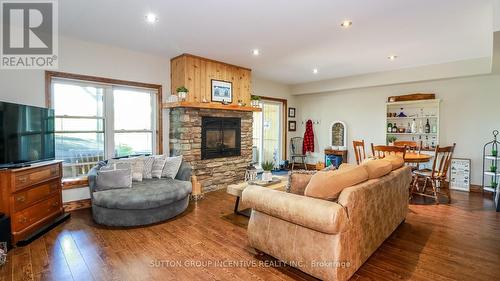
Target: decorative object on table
(338, 135)
(267, 166)
(391, 140)
(291, 112)
(491, 175)
(255, 100)
(250, 173)
(308, 143)
(401, 113)
(460, 174)
(411, 97)
(320, 166)
(182, 93)
(222, 91)
(292, 126)
(204, 100)
(241, 103)
(264, 183)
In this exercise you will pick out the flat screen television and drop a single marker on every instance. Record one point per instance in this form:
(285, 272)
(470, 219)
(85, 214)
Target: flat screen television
(26, 135)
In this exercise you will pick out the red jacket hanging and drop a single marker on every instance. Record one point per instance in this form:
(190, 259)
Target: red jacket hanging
(308, 143)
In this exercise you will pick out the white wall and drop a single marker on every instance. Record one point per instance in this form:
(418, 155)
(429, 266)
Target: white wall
(470, 111)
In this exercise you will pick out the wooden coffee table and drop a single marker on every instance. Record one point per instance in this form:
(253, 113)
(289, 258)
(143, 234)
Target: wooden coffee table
(237, 190)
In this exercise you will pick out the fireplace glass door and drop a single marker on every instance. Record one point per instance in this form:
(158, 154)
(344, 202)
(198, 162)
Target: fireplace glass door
(220, 137)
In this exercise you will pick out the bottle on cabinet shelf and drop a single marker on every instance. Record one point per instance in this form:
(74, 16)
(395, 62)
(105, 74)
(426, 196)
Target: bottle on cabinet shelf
(394, 128)
(413, 128)
(389, 128)
(434, 127)
(427, 127)
(408, 129)
(420, 127)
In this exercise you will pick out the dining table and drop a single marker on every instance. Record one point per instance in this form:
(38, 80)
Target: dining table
(412, 157)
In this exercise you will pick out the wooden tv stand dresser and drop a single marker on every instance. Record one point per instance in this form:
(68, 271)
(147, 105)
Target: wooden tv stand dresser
(32, 198)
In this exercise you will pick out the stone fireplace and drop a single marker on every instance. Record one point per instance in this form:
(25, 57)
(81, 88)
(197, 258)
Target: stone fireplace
(216, 142)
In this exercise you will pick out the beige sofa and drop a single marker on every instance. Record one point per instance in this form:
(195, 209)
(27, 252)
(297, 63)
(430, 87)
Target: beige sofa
(325, 239)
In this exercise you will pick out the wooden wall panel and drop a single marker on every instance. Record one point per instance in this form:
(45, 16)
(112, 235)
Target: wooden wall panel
(196, 73)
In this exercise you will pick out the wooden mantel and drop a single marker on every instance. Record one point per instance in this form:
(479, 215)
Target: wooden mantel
(196, 74)
(218, 106)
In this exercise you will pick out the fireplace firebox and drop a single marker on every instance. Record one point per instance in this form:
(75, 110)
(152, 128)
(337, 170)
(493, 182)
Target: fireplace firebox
(220, 137)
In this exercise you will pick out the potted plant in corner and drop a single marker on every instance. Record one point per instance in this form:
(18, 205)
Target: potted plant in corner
(255, 100)
(182, 93)
(391, 140)
(267, 167)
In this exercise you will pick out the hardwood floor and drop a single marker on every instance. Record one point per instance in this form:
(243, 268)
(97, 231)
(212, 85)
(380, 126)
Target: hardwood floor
(460, 241)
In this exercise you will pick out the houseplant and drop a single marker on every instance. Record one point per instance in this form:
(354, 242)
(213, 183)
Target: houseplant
(267, 167)
(182, 93)
(391, 140)
(255, 100)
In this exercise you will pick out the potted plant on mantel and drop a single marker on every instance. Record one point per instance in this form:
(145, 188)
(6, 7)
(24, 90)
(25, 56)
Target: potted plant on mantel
(182, 93)
(267, 167)
(255, 100)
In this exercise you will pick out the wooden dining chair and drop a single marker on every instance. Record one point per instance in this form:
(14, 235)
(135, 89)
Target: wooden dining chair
(435, 177)
(380, 151)
(296, 152)
(359, 151)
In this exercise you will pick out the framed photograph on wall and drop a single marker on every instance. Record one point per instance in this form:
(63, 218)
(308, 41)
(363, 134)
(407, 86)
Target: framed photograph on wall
(292, 126)
(222, 91)
(291, 112)
(460, 174)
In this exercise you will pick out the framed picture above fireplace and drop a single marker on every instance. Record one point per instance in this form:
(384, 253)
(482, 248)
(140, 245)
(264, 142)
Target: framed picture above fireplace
(222, 91)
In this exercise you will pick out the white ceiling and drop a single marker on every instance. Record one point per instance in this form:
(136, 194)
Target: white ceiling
(294, 36)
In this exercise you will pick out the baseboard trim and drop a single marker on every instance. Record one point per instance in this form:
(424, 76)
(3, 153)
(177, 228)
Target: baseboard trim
(77, 205)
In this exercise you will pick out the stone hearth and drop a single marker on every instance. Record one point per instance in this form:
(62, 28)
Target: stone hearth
(185, 139)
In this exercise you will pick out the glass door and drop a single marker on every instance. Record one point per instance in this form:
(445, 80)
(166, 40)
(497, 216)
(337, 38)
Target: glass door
(267, 132)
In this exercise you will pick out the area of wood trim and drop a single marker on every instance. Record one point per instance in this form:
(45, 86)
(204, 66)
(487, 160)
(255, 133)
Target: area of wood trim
(285, 122)
(73, 183)
(49, 75)
(77, 205)
(210, 60)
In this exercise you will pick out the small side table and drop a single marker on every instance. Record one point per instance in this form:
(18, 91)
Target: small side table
(237, 190)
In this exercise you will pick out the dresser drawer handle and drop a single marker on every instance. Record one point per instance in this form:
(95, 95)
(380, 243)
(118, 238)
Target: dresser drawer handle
(20, 198)
(22, 220)
(22, 179)
(55, 204)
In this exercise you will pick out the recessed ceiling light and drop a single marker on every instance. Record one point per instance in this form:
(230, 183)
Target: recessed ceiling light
(346, 23)
(255, 52)
(392, 57)
(315, 71)
(151, 18)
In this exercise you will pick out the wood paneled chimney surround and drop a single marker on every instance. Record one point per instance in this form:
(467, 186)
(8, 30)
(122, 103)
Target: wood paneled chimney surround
(196, 74)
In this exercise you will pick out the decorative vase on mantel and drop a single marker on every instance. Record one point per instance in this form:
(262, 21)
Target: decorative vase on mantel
(182, 93)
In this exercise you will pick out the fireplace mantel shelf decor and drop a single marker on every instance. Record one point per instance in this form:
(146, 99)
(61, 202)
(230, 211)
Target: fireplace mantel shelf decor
(221, 106)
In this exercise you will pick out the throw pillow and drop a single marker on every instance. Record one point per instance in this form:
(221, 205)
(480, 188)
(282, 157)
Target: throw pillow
(298, 180)
(377, 168)
(396, 161)
(137, 164)
(148, 167)
(172, 165)
(158, 164)
(113, 179)
(328, 185)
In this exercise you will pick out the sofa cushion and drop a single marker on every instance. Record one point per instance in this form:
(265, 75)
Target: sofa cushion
(151, 193)
(298, 180)
(114, 179)
(148, 167)
(377, 168)
(158, 165)
(396, 161)
(329, 185)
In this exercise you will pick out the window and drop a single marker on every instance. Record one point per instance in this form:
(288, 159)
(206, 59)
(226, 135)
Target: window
(97, 121)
